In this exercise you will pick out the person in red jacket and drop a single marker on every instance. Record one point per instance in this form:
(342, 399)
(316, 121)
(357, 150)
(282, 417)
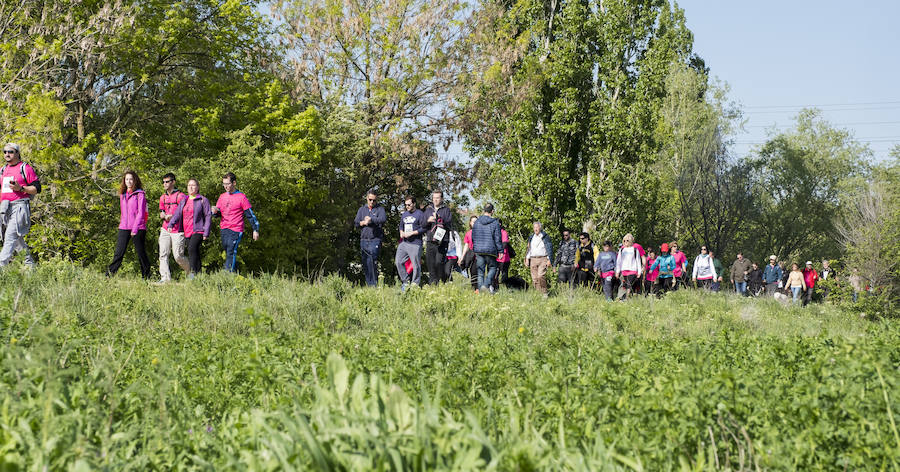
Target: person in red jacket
(810, 276)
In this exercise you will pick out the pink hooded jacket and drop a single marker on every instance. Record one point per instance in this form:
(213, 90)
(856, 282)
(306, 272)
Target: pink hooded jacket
(133, 211)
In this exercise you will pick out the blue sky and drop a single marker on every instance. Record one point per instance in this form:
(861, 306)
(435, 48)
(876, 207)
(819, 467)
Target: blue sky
(779, 56)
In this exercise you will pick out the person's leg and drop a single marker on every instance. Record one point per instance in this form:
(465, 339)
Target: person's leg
(165, 248)
(855, 296)
(179, 243)
(122, 237)
(608, 287)
(415, 256)
(431, 263)
(22, 246)
(400, 259)
(140, 241)
(808, 295)
(10, 237)
(542, 273)
(230, 241)
(491, 268)
(473, 273)
(194, 254)
(369, 249)
(442, 263)
(481, 271)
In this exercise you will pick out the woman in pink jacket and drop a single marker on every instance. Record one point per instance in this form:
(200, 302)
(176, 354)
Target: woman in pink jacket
(132, 223)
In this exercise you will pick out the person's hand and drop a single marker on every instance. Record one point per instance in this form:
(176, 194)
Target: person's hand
(431, 219)
(214, 209)
(14, 185)
(256, 235)
(204, 238)
(162, 215)
(527, 262)
(168, 218)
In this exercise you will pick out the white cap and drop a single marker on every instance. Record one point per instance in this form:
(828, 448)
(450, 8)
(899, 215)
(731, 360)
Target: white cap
(12, 146)
(772, 257)
(808, 262)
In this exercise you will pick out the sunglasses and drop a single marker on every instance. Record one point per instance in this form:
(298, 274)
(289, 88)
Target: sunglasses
(702, 248)
(167, 181)
(9, 152)
(370, 199)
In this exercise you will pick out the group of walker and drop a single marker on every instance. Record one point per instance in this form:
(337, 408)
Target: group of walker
(621, 272)
(484, 251)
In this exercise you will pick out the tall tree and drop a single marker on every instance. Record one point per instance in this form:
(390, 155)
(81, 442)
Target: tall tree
(560, 107)
(713, 190)
(801, 177)
(387, 67)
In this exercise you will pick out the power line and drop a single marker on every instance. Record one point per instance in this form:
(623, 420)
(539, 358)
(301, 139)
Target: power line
(854, 104)
(871, 108)
(835, 124)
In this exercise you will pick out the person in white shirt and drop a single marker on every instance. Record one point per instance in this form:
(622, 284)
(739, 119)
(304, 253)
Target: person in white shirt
(538, 257)
(629, 265)
(704, 271)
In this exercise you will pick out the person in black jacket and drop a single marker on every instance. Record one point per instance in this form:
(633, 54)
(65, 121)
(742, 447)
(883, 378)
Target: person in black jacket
(438, 224)
(755, 283)
(370, 219)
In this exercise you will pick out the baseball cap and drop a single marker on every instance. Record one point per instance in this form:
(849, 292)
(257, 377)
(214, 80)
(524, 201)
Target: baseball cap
(772, 257)
(664, 247)
(808, 262)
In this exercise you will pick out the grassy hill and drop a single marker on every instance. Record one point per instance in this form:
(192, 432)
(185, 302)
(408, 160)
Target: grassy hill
(271, 373)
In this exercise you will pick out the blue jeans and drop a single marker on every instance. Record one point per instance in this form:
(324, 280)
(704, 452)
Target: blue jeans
(369, 248)
(487, 268)
(740, 287)
(796, 291)
(230, 241)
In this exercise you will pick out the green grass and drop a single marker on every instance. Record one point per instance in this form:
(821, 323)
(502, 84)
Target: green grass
(271, 373)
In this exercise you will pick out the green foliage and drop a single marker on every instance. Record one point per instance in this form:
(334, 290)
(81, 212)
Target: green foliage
(801, 177)
(562, 108)
(232, 372)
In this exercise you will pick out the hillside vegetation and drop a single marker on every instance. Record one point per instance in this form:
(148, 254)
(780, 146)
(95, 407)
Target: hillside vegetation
(270, 373)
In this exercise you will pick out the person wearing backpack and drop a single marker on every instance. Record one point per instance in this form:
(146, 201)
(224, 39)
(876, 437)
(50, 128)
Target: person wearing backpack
(132, 223)
(20, 185)
(585, 258)
(171, 235)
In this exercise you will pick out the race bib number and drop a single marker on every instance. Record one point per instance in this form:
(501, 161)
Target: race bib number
(407, 227)
(7, 185)
(439, 234)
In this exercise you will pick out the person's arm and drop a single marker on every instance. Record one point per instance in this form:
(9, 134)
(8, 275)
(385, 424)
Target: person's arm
(694, 272)
(379, 218)
(207, 217)
(618, 265)
(176, 217)
(141, 208)
(358, 220)
(162, 208)
(549, 243)
(498, 240)
(248, 213)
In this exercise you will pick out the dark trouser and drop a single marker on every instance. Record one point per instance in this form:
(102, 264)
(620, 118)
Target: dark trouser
(369, 249)
(450, 266)
(140, 239)
(705, 283)
(230, 241)
(648, 287)
(435, 255)
(808, 295)
(473, 274)
(679, 282)
(771, 288)
(502, 274)
(663, 285)
(566, 275)
(194, 255)
(583, 278)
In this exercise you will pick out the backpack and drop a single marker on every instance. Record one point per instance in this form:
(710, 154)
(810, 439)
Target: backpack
(36, 183)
